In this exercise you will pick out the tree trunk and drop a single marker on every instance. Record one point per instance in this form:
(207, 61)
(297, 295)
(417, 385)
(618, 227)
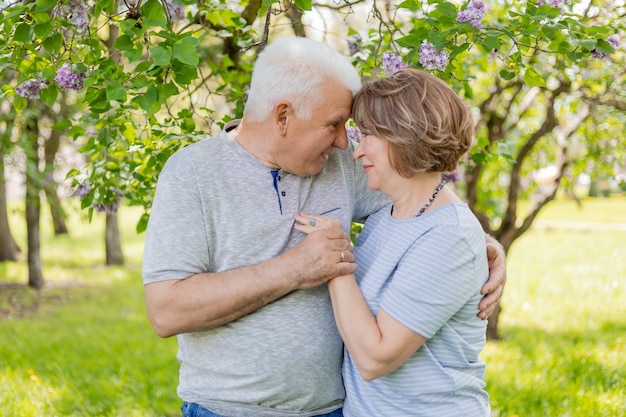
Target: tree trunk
(492, 324)
(33, 209)
(8, 247)
(114, 254)
(50, 185)
(33, 202)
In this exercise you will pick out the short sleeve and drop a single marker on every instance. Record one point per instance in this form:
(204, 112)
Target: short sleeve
(435, 278)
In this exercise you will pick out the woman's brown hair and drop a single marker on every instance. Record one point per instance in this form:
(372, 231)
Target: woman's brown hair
(428, 126)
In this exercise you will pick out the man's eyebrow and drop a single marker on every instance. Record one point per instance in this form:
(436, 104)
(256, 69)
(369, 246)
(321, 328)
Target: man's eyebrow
(339, 119)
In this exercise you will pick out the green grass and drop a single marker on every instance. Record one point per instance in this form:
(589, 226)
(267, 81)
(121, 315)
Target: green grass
(83, 346)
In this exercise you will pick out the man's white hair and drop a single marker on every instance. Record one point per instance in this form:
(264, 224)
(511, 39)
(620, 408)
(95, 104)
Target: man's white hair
(293, 69)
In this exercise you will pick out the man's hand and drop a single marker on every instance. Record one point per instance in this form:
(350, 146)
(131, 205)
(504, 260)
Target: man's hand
(325, 253)
(494, 287)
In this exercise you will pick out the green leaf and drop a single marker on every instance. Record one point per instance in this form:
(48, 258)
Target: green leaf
(447, 9)
(62, 124)
(304, 4)
(49, 95)
(410, 5)
(166, 91)
(53, 43)
(43, 30)
(506, 75)
(533, 79)
(588, 44)
(115, 91)
(43, 5)
(152, 14)
(410, 41)
(185, 51)
(161, 56)
(148, 100)
(124, 43)
(604, 46)
(142, 224)
(22, 33)
(185, 74)
(19, 103)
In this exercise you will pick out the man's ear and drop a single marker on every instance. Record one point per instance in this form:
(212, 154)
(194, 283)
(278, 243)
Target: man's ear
(282, 116)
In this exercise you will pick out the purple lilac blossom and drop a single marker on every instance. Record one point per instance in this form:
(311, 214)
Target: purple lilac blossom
(474, 14)
(353, 43)
(110, 208)
(453, 177)
(30, 88)
(82, 189)
(75, 11)
(557, 4)
(353, 134)
(431, 59)
(66, 78)
(392, 63)
(176, 11)
(613, 40)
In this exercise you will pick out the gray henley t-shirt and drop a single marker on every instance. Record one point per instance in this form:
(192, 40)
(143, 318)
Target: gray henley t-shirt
(217, 208)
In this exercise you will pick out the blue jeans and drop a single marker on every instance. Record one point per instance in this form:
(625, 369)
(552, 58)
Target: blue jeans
(194, 410)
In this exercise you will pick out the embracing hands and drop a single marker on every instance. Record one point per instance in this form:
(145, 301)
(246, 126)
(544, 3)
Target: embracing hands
(325, 253)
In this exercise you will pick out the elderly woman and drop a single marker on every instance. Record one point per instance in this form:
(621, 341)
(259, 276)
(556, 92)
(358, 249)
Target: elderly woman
(408, 315)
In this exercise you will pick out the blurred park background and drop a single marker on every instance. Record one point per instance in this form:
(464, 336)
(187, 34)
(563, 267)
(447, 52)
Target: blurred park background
(82, 345)
(95, 97)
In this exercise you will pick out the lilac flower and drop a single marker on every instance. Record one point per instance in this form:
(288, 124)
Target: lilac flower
(613, 40)
(110, 208)
(176, 11)
(473, 14)
(392, 63)
(431, 59)
(30, 88)
(557, 4)
(353, 133)
(353, 43)
(75, 11)
(82, 189)
(451, 176)
(66, 78)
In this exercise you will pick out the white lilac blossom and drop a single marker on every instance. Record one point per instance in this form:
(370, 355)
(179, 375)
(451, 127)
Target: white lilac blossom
(353, 134)
(474, 14)
(75, 11)
(30, 88)
(392, 63)
(557, 4)
(66, 78)
(431, 59)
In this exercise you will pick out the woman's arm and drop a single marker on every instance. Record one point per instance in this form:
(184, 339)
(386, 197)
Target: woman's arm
(378, 345)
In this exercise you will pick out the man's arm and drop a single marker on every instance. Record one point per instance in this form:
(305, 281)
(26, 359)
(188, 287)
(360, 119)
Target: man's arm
(208, 300)
(494, 287)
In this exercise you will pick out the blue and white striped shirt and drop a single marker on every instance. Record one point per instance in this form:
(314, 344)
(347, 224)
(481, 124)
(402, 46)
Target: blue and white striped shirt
(427, 273)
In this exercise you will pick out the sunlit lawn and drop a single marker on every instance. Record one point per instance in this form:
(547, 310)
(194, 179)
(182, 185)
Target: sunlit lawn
(83, 346)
